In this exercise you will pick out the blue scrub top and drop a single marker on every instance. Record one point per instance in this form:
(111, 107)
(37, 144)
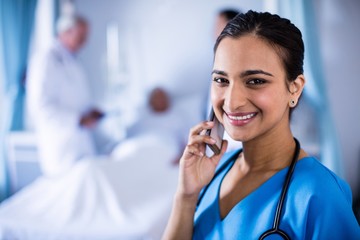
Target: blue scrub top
(318, 206)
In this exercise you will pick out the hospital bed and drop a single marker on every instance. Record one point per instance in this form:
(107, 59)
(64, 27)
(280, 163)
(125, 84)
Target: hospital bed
(22, 159)
(124, 196)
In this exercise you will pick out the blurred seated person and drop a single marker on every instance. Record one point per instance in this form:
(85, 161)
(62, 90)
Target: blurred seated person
(60, 101)
(164, 120)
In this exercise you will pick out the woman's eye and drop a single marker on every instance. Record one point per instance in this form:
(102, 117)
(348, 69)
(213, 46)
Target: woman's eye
(221, 80)
(256, 81)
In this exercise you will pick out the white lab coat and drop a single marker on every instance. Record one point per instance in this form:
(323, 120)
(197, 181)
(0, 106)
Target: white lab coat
(58, 94)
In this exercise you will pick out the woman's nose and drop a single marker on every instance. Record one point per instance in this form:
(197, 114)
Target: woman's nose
(235, 98)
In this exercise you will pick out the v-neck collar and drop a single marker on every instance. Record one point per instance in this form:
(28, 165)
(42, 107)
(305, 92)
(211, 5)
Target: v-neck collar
(277, 175)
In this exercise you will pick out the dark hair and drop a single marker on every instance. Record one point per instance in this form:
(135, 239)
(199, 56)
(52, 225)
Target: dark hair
(228, 13)
(279, 32)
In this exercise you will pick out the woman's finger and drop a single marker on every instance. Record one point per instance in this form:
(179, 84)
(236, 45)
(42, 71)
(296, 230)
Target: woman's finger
(197, 129)
(193, 151)
(200, 139)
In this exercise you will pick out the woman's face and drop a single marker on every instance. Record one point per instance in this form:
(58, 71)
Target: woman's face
(249, 91)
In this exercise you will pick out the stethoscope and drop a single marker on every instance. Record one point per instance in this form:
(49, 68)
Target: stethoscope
(275, 230)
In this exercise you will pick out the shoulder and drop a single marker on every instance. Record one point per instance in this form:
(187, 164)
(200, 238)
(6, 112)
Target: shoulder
(51, 54)
(54, 54)
(322, 199)
(318, 180)
(325, 200)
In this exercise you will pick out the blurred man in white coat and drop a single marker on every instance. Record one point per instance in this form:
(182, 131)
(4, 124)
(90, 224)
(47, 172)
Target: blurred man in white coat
(60, 101)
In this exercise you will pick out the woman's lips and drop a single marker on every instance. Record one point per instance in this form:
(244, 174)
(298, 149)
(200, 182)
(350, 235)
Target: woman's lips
(240, 119)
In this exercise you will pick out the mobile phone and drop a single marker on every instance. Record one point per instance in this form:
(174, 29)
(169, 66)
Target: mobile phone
(217, 133)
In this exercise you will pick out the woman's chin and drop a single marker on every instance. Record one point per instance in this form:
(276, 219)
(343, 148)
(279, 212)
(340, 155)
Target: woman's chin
(237, 137)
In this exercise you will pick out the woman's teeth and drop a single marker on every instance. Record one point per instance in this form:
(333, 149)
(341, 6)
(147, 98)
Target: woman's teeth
(238, 118)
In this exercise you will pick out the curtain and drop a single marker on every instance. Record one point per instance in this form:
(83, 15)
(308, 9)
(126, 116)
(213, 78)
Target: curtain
(302, 14)
(16, 20)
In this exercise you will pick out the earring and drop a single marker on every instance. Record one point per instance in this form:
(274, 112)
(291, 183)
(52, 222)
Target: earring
(292, 103)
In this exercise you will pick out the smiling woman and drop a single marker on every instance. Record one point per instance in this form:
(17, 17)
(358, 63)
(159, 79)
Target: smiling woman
(255, 74)
(271, 186)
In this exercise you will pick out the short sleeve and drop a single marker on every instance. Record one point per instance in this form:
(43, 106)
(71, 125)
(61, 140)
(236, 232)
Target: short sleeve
(330, 214)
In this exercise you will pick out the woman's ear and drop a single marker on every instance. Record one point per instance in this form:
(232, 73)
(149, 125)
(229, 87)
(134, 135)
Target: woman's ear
(296, 88)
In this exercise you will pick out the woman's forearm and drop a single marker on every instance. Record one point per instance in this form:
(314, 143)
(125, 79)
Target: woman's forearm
(181, 221)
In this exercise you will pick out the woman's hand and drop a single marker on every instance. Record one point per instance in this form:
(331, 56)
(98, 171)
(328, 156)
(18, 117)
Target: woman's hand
(197, 169)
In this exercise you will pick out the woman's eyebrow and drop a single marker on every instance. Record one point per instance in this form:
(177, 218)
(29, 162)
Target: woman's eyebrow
(253, 72)
(243, 74)
(219, 72)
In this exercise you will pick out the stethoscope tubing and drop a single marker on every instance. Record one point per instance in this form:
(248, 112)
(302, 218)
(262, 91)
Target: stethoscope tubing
(280, 205)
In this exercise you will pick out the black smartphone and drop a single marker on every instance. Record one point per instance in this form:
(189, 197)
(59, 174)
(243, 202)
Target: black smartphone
(217, 133)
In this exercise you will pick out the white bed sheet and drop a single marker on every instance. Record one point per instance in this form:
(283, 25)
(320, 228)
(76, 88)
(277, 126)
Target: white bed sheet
(98, 199)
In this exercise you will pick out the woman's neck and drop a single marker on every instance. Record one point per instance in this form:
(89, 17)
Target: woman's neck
(268, 153)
